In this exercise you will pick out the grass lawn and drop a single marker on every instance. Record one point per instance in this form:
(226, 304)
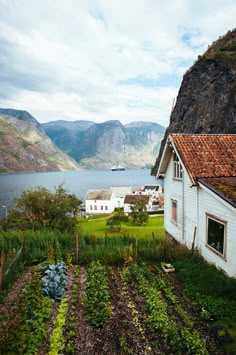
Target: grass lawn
(97, 226)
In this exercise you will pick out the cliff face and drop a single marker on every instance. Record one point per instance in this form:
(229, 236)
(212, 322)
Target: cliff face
(24, 147)
(101, 145)
(206, 101)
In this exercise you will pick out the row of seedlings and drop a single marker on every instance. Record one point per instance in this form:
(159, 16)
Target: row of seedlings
(125, 274)
(25, 328)
(97, 301)
(179, 338)
(70, 326)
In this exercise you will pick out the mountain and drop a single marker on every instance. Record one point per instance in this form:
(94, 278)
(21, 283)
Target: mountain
(101, 145)
(24, 147)
(206, 102)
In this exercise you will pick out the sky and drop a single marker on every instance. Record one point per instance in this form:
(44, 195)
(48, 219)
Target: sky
(102, 60)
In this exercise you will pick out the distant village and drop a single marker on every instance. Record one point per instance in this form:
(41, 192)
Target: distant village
(106, 201)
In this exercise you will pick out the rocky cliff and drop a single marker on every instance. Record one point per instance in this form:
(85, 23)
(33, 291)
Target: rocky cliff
(24, 147)
(206, 101)
(101, 145)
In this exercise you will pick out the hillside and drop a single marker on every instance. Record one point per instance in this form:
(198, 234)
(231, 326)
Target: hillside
(101, 145)
(24, 147)
(206, 101)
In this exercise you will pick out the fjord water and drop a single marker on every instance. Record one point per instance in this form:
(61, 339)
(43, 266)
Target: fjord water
(77, 182)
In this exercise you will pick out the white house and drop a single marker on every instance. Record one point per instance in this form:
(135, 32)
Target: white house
(199, 174)
(155, 193)
(119, 193)
(131, 199)
(99, 201)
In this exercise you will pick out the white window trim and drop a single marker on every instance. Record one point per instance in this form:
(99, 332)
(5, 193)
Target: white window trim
(177, 168)
(214, 218)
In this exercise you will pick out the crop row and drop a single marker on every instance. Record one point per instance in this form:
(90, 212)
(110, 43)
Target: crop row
(179, 338)
(148, 296)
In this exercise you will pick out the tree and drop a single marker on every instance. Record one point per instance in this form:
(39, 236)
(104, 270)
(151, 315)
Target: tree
(114, 222)
(138, 212)
(52, 210)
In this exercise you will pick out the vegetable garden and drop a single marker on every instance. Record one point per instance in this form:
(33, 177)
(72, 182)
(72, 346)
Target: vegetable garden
(65, 294)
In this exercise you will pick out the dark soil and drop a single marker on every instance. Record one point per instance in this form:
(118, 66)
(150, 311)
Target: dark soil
(125, 332)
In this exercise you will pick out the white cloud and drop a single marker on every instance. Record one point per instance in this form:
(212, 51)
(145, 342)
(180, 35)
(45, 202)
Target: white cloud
(67, 59)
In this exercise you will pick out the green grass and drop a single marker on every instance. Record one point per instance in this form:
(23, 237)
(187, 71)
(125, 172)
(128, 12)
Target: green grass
(97, 226)
(212, 289)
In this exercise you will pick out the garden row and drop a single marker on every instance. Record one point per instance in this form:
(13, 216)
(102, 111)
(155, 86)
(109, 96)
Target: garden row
(134, 309)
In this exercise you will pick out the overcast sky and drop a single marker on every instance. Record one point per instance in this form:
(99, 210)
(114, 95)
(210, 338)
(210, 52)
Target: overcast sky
(102, 60)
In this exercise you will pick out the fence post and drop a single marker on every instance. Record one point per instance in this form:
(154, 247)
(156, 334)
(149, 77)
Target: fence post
(2, 261)
(77, 248)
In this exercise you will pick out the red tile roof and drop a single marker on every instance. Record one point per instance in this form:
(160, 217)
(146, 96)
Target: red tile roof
(207, 155)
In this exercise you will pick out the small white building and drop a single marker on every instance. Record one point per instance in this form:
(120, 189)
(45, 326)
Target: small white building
(199, 174)
(132, 199)
(119, 193)
(99, 202)
(155, 192)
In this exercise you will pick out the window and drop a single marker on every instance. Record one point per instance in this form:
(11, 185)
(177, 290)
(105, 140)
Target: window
(174, 211)
(101, 208)
(177, 167)
(106, 208)
(216, 235)
(95, 207)
(91, 207)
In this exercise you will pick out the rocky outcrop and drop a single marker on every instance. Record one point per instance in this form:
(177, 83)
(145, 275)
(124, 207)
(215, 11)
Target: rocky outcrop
(24, 147)
(206, 101)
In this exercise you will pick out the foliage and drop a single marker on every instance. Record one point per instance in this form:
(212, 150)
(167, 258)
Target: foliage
(24, 329)
(57, 341)
(114, 222)
(208, 286)
(180, 341)
(71, 318)
(138, 212)
(54, 280)
(42, 208)
(97, 301)
(38, 310)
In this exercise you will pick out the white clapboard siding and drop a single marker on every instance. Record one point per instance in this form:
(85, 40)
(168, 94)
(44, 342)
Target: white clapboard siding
(193, 204)
(213, 205)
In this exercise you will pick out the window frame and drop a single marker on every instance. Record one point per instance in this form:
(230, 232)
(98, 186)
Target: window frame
(177, 168)
(173, 201)
(224, 223)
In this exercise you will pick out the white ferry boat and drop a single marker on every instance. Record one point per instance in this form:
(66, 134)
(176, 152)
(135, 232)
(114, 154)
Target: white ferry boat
(117, 168)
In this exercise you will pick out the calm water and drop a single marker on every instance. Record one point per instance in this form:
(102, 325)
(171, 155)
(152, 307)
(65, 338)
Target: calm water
(78, 182)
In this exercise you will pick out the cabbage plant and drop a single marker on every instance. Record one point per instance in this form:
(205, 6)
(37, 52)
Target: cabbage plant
(54, 280)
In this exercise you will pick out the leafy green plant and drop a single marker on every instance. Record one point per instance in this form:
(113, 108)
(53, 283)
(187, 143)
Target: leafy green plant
(193, 343)
(54, 280)
(57, 341)
(71, 319)
(38, 310)
(97, 300)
